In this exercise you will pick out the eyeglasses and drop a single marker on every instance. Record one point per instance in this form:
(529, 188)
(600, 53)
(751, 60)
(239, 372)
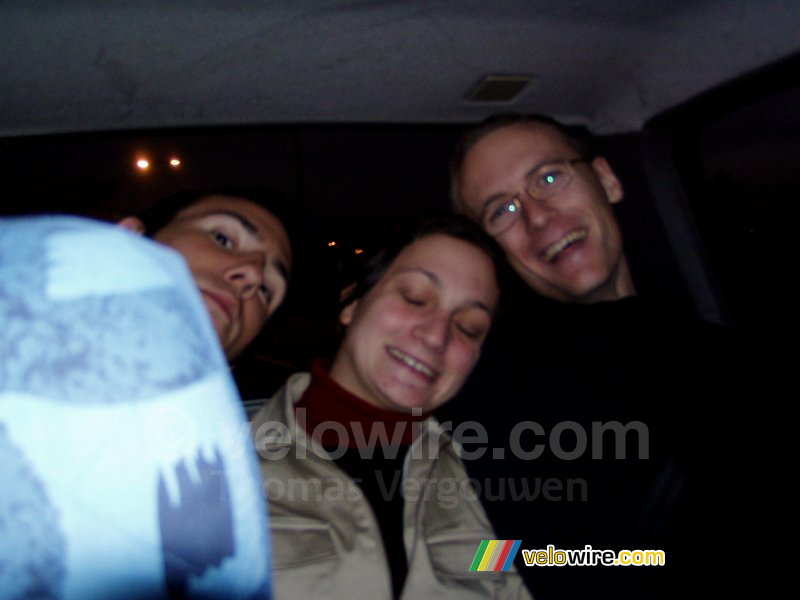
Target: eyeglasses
(543, 183)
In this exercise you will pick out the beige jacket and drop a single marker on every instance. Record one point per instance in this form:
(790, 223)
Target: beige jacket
(325, 539)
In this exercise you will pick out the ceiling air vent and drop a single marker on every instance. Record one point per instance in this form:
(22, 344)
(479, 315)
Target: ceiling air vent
(498, 88)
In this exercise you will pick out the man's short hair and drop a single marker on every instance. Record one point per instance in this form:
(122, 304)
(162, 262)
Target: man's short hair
(578, 137)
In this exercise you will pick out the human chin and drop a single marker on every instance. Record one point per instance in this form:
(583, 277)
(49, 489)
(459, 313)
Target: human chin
(398, 397)
(586, 285)
(409, 398)
(563, 281)
(402, 397)
(218, 318)
(228, 333)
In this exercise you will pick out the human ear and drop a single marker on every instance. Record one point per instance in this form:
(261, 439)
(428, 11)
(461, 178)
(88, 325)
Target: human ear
(133, 224)
(346, 316)
(608, 179)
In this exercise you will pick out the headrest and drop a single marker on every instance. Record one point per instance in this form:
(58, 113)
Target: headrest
(126, 464)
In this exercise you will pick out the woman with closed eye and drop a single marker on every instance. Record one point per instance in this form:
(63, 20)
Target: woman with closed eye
(368, 498)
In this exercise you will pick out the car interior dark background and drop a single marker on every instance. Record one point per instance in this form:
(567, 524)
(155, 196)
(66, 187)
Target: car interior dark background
(350, 110)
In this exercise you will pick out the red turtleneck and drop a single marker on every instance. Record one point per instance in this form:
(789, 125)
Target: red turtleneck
(325, 402)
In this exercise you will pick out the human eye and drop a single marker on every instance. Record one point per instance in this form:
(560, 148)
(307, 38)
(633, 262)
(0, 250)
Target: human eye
(471, 330)
(412, 298)
(500, 212)
(223, 230)
(549, 175)
(473, 324)
(266, 293)
(468, 331)
(221, 238)
(414, 290)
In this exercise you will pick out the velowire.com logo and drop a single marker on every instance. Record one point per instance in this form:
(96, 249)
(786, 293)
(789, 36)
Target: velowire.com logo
(495, 555)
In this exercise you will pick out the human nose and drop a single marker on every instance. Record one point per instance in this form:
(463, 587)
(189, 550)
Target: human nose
(433, 331)
(247, 274)
(538, 212)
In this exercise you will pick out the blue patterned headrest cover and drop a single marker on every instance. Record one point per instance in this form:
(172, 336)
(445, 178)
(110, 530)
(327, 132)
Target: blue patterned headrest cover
(125, 461)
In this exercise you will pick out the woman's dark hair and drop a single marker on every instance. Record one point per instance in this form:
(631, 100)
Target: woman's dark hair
(455, 226)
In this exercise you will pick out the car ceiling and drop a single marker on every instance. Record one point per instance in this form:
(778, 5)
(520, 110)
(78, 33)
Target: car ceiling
(95, 65)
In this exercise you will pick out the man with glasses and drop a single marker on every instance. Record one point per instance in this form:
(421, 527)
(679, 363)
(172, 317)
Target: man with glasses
(590, 386)
(548, 201)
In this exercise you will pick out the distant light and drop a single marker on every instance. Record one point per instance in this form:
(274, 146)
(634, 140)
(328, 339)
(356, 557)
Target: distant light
(174, 162)
(331, 244)
(359, 251)
(143, 164)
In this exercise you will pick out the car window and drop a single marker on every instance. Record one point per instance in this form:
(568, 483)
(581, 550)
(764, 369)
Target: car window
(740, 168)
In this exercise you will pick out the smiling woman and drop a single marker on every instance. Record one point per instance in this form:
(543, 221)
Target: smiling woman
(413, 338)
(415, 325)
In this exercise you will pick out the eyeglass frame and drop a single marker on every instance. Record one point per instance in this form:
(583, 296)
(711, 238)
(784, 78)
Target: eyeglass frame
(568, 163)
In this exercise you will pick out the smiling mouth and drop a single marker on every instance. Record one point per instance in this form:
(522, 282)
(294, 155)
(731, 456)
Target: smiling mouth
(555, 249)
(412, 363)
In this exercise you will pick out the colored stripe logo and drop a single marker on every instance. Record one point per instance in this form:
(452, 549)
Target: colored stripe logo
(495, 555)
